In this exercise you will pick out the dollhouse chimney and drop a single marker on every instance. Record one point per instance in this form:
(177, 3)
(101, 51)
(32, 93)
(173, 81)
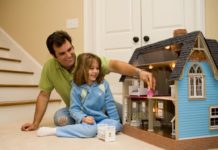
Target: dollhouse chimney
(179, 32)
(176, 47)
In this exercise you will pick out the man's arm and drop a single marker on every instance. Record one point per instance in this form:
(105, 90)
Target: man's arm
(41, 106)
(130, 70)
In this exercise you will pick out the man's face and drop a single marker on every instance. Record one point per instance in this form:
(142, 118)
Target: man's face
(65, 55)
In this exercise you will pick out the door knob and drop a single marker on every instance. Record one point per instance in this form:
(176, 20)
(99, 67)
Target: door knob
(135, 39)
(146, 38)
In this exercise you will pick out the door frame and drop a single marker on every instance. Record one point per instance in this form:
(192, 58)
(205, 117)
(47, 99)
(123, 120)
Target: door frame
(89, 26)
(90, 23)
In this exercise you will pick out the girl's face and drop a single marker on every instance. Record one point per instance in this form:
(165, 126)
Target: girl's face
(93, 72)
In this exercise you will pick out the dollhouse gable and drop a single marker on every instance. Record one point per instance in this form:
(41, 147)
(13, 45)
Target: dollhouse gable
(197, 49)
(197, 84)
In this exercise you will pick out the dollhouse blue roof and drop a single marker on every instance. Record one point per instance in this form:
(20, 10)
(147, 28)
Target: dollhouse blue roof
(154, 53)
(213, 48)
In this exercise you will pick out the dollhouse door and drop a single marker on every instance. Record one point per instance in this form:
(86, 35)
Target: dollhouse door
(115, 28)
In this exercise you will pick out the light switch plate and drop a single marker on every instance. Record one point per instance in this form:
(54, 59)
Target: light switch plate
(72, 23)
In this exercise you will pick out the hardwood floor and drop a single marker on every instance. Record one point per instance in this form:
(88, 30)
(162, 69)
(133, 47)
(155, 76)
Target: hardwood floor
(163, 131)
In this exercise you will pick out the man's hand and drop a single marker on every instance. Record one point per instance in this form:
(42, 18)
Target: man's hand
(130, 70)
(148, 78)
(88, 120)
(41, 105)
(29, 127)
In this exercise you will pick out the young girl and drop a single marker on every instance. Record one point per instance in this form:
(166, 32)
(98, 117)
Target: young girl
(90, 98)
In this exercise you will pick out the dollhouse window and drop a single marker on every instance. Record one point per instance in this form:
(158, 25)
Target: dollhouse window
(213, 117)
(160, 110)
(196, 82)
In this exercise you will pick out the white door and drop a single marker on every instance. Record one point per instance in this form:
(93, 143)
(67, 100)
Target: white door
(117, 22)
(114, 24)
(161, 17)
(111, 25)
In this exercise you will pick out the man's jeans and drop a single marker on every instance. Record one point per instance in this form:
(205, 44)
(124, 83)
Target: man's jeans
(63, 114)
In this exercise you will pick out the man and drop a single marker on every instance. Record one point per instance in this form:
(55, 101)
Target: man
(57, 74)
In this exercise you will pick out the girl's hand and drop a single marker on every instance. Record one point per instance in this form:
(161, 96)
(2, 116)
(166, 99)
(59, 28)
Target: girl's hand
(88, 120)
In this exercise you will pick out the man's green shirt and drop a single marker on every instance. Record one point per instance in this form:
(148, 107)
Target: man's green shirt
(54, 76)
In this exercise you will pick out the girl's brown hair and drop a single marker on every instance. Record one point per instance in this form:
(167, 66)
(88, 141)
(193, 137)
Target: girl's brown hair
(84, 62)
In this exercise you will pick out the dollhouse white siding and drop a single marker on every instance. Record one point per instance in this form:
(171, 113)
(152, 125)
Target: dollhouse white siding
(193, 114)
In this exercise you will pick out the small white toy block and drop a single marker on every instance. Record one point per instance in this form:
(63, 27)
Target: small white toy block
(106, 132)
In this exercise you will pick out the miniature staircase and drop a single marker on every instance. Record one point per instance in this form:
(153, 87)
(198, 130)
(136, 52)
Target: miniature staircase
(19, 77)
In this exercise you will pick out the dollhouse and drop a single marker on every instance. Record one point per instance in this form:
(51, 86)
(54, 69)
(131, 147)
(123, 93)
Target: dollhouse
(186, 97)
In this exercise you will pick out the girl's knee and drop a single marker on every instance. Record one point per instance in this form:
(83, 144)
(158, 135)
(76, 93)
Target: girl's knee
(90, 131)
(119, 127)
